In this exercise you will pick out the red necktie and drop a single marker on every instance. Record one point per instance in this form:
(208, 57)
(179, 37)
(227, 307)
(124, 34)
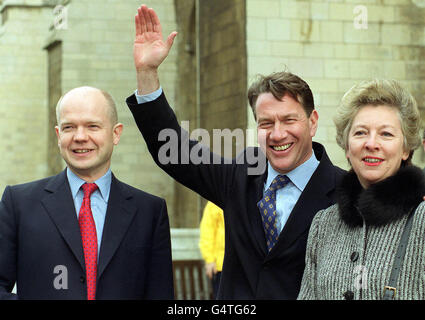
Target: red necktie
(89, 238)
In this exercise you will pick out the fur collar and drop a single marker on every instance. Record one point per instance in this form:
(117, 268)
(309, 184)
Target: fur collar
(383, 202)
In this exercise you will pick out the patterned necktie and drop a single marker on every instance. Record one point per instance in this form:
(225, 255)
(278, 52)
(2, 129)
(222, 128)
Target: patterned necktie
(267, 207)
(89, 238)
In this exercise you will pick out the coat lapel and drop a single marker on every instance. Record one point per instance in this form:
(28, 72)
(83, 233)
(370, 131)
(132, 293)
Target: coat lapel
(60, 207)
(256, 222)
(119, 214)
(255, 194)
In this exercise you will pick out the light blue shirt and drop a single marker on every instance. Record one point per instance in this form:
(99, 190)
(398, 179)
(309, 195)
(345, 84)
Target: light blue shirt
(147, 97)
(287, 197)
(98, 199)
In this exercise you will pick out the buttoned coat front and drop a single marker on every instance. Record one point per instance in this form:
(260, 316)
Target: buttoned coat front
(40, 242)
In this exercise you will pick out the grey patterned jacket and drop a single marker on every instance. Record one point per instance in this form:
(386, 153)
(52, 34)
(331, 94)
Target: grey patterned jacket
(352, 244)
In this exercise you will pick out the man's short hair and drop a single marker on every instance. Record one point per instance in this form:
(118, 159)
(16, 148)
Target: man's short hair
(279, 84)
(112, 108)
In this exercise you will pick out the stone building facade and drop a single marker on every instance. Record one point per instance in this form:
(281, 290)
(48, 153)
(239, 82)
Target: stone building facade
(43, 54)
(50, 46)
(335, 44)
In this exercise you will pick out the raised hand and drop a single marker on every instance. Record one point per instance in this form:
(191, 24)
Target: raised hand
(149, 48)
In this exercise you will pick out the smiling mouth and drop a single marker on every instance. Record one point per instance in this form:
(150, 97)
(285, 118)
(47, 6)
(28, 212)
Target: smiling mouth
(282, 147)
(372, 161)
(81, 151)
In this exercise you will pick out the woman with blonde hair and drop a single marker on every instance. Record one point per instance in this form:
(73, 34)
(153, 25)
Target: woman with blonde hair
(370, 244)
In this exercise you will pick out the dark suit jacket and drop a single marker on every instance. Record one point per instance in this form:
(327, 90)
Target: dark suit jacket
(249, 271)
(39, 230)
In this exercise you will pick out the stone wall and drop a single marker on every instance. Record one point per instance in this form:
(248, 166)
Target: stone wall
(23, 91)
(325, 43)
(54, 80)
(97, 51)
(40, 61)
(211, 79)
(223, 64)
(186, 103)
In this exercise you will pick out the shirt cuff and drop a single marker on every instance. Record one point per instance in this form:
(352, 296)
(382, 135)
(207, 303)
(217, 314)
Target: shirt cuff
(147, 97)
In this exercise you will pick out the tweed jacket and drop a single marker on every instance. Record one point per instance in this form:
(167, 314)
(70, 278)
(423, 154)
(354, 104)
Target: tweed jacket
(352, 245)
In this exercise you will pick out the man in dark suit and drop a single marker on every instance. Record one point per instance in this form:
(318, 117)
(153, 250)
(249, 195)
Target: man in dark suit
(57, 242)
(267, 213)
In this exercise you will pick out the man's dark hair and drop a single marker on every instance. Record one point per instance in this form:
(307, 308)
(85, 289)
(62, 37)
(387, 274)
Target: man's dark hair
(279, 84)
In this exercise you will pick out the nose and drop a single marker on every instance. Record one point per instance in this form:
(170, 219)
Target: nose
(371, 142)
(278, 131)
(80, 135)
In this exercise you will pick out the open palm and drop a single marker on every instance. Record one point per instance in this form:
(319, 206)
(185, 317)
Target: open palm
(149, 48)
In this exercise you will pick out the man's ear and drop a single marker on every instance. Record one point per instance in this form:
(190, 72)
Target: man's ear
(57, 134)
(117, 131)
(314, 120)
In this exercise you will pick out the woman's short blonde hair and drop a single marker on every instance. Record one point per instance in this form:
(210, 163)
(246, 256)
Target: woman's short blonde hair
(379, 92)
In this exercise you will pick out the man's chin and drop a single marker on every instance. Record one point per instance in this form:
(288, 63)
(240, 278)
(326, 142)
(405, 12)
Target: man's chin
(280, 165)
(80, 168)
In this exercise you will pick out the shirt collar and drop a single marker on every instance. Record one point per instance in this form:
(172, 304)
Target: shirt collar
(104, 183)
(299, 176)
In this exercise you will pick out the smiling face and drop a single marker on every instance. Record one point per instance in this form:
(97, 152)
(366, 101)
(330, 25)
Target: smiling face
(376, 144)
(86, 134)
(285, 131)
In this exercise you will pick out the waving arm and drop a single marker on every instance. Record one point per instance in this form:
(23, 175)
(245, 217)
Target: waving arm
(149, 49)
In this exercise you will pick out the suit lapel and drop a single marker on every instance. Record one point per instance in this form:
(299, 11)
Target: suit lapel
(313, 199)
(256, 222)
(60, 207)
(119, 214)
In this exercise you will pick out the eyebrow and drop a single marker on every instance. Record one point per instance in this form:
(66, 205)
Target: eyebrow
(289, 115)
(86, 123)
(380, 127)
(64, 123)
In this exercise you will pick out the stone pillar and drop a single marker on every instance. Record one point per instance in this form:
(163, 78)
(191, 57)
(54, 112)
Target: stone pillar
(212, 80)
(23, 94)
